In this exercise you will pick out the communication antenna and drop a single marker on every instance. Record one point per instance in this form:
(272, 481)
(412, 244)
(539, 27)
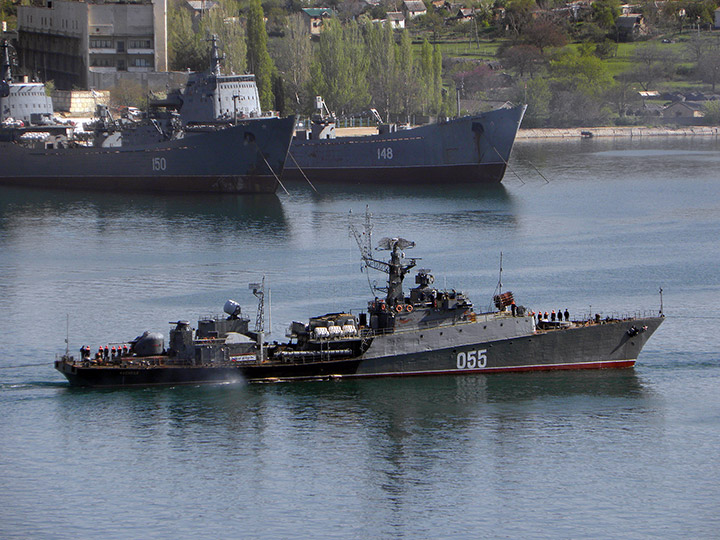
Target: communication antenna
(258, 290)
(67, 333)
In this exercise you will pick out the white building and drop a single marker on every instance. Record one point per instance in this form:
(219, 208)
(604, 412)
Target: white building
(74, 43)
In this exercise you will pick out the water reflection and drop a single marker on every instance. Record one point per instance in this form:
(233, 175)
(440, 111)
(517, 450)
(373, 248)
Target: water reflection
(365, 192)
(103, 211)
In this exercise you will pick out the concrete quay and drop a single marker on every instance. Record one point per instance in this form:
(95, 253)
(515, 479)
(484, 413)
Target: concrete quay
(576, 133)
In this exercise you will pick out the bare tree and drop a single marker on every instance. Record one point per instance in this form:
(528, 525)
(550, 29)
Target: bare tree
(709, 65)
(653, 63)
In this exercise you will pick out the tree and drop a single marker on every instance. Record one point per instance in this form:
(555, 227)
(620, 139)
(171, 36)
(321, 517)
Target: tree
(339, 71)
(537, 95)
(426, 77)
(259, 61)
(579, 80)
(382, 79)
(220, 22)
(408, 84)
(621, 93)
(709, 65)
(518, 14)
(476, 80)
(542, 33)
(185, 48)
(437, 80)
(293, 58)
(712, 112)
(127, 93)
(653, 63)
(523, 59)
(585, 73)
(605, 13)
(695, 47)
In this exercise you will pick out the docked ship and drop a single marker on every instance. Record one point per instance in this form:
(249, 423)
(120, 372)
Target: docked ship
(156, 154)
(469, 149)
(425, 332)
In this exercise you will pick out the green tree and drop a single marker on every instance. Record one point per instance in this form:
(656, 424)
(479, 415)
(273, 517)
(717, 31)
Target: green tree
(537, 95)
(712, 112)
(186, 50)
(437, 82)
(605, 13)
(259, 61)
(586, 73)
(407, 84)
(339, 71)
(382, 79)
(518, 14)
(293, 57)
(127, 93)
(426, 76)
(579, 82)
(220, 22)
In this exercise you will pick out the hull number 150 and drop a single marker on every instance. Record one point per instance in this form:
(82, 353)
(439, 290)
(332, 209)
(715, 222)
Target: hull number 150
(159, 164)
(472, 359)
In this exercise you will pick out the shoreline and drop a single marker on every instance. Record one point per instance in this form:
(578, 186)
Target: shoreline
(627, 132)
(578, 133)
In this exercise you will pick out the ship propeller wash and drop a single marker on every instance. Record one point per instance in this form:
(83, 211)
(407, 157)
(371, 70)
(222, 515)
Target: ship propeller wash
(425, 331)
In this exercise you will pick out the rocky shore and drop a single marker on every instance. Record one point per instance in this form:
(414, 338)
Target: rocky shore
(569, 133)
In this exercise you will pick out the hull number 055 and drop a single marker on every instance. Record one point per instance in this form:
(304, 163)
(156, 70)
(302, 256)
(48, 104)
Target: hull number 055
(472, 359)
(159, 164)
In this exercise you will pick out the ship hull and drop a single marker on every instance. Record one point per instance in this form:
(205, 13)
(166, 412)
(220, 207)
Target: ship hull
(471, 149)
(239, 159)
(595, 346)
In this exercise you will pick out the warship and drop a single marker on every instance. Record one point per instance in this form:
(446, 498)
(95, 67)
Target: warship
(156, 154)
(468, 149)
(425, 332)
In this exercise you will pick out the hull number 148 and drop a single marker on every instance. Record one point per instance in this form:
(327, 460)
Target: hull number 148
(472, 359)
(385, 153)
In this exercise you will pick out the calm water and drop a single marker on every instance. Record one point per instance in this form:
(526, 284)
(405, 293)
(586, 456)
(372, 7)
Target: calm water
(612, 454)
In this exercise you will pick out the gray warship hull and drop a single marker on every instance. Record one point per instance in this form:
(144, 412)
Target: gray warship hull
(244, 158)
(471, 149)
(443, 350)
(428, 332)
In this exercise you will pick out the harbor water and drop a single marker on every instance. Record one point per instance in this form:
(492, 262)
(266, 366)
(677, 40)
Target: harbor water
(592, 226)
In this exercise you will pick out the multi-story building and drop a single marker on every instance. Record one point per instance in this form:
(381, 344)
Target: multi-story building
(75, 42)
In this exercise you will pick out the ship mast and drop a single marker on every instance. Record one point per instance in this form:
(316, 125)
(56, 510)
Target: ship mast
(395, 268)
(258, 290)
(215, 56)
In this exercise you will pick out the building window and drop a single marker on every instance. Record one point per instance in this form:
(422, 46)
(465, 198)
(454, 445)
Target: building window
(121, 65)
(140, 44)
(100, 44)
(120, 46)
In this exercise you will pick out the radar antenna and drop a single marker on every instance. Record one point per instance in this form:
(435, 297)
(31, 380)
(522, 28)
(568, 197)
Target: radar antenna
(395, 268)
